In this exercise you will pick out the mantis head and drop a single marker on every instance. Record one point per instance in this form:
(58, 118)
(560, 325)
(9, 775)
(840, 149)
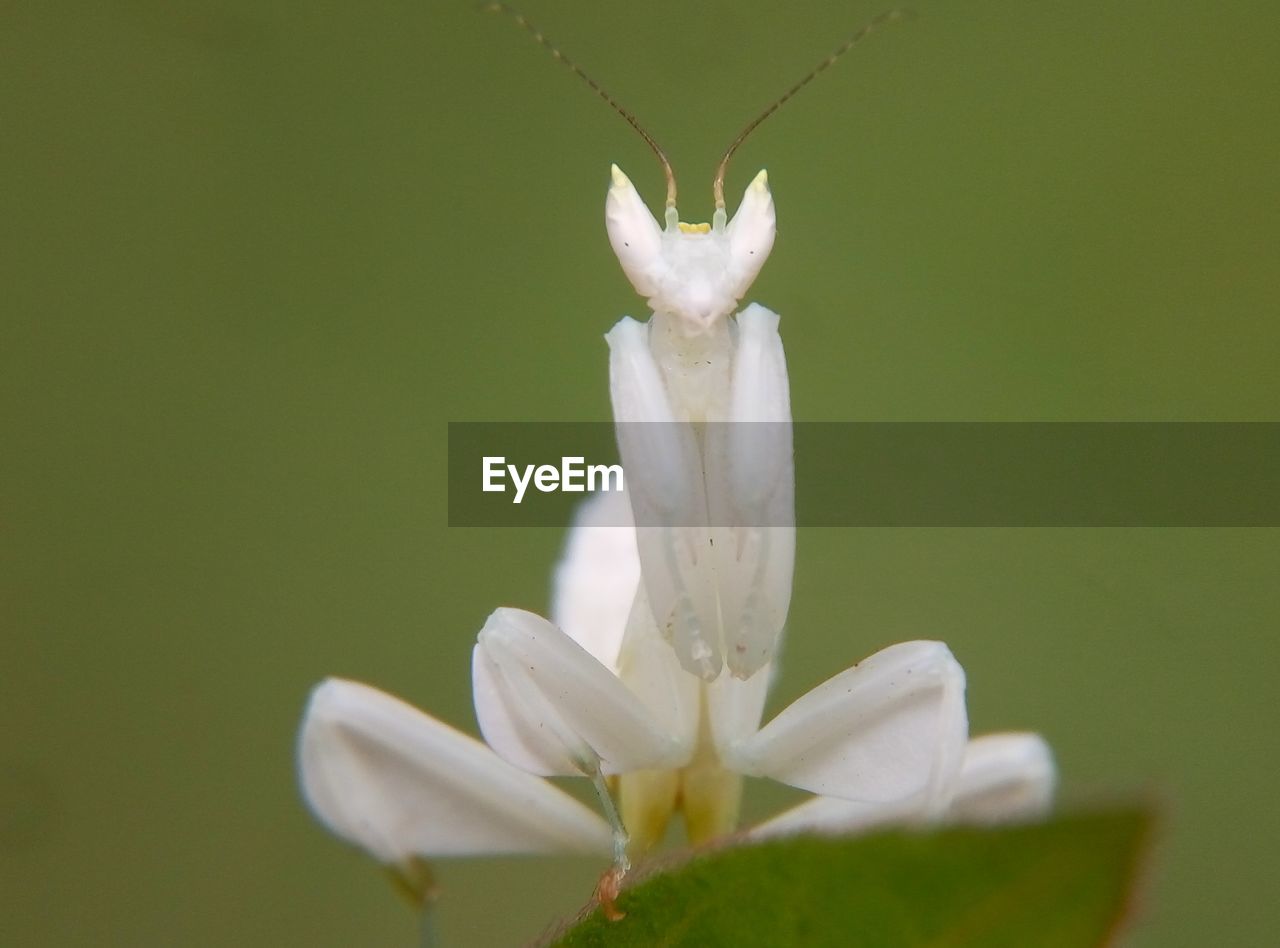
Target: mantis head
(697, 272)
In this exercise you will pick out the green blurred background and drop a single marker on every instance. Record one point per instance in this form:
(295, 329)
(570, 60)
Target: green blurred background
(256, 255)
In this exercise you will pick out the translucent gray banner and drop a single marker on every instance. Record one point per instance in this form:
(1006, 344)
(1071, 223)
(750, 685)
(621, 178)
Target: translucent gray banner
(911, 474)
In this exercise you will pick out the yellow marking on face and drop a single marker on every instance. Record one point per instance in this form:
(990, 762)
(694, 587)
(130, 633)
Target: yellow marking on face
(694, 228)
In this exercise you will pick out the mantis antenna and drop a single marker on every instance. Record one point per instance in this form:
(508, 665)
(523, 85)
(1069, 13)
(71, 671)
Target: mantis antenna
(884, 19)
(717, 184)
(558, 56)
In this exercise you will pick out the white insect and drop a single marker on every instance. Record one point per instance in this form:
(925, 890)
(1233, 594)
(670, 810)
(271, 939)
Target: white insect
(704, 425)
(702, 408)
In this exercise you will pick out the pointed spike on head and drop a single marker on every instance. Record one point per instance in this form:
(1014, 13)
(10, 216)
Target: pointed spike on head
(751, 233)
(634, 234)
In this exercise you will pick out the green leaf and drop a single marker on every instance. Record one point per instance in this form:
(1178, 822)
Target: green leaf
(1060, 884)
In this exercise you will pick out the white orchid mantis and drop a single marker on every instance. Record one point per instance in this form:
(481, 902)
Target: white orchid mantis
(651, 677)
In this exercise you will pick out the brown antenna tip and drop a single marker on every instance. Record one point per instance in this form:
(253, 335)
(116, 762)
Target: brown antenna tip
(884, 19)
(493, 6)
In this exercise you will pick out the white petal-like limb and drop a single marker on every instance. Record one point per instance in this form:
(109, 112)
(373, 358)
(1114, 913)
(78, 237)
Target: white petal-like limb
(634, 234)
(1005, 778)
(400, 784)
(891, 727)
(545, 705)
(597, 576)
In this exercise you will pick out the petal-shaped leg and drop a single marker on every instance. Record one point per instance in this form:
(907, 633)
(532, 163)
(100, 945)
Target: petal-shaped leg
(1005, 778)
(548, 707)
(597, 576)
(400, 784)
(891, 727)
